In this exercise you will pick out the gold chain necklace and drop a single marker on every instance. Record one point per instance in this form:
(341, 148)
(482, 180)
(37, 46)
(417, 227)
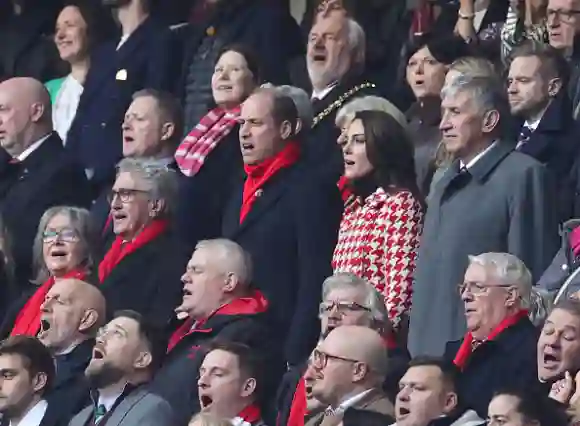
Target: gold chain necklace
(340, 101)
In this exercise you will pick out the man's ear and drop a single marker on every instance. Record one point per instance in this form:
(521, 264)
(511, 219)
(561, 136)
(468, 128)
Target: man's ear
(286, 130)
(167, 131)
(39, 382)
(490, 121)
(157, 206)
(36, 112)
(144, 360)
(248, 388)
(554, 87)
(89, 319)
(360, 371)
(451, 401)
(231, 283)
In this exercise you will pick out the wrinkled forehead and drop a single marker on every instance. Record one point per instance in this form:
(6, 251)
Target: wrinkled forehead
(457, 97)
(345, 294)
(127, 326)
(564, 4)
(66, 289)
(562, 318)
(143, 105)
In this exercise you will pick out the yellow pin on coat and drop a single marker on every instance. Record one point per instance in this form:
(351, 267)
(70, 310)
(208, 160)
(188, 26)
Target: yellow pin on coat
(210, 31)
(121, 75)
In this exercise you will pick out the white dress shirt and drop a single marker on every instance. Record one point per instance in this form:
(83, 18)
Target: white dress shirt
(324, 92)
(34, 415)
(24, 154)
(476, 158)
(66, 105)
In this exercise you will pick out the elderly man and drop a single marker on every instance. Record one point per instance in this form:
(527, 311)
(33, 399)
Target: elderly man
(428, 396)
(335, 60)
(71, 314)
(288, 223)
(152, 129)
(490, 199)
(34, 172)
(127, 353)
(349, 367)
(229, 384)
(499, 349)
(218, 302)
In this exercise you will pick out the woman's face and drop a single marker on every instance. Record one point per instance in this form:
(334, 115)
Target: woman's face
(354, 152)
(425, 74)
(503, 411)
(71, 35)
(62, 248)
(231, 82)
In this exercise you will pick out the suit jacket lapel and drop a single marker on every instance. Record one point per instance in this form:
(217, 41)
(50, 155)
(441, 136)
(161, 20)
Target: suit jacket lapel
(120, 411)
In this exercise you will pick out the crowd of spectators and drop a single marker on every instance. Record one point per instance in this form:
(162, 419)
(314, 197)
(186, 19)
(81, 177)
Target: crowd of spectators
(212, 213)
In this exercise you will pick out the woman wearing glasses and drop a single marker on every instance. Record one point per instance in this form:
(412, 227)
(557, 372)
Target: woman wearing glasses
(65, 247)
(142, 268)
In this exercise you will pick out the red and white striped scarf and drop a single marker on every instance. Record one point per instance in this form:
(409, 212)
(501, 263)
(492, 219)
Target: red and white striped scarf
(203, 138)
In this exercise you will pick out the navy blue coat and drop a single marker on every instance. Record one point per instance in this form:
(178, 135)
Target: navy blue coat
(146, 60)
(290, 232)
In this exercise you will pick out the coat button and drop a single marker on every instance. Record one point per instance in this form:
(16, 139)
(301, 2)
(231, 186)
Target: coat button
(103, 124)
(564, 267)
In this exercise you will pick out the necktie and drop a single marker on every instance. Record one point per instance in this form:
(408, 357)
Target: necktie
(100, 412)
(524, 136)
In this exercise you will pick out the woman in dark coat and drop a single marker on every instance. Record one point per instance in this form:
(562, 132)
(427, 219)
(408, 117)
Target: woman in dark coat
(142, 268)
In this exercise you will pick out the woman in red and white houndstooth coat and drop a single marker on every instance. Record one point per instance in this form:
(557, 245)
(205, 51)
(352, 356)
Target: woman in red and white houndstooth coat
(382, 221)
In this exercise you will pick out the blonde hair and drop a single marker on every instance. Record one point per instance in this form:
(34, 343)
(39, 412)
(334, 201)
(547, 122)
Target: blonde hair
(473, 66)
(208, 420)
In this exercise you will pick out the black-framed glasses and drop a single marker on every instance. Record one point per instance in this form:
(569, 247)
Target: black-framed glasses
(477, 288)
(126, 195)
(563, 15)
(320, 358)
(342, 307)
(67, 235)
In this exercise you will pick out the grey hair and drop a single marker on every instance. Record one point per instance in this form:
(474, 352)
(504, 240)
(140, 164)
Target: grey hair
(302, 102)
(80, 220)
(474, 66)
(357, 41)
(162, 179)
(369, 103)
(487, 92)
(232, 258)
(373, 299)
(510, 270)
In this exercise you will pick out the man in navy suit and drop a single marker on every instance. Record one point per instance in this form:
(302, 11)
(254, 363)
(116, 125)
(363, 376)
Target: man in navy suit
(142, 58)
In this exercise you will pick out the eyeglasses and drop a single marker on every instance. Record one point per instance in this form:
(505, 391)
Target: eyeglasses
(477, 289)
(563, 15)
(320, 358)
(67, 235)
(341, 307)
(126, 195)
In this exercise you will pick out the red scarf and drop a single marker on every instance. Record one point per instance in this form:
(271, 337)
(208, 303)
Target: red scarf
(344, 189)
(575, 241)
(28, 319)
(298, 408)
(251, 414)
(119, 249)
(466, 349)
(259, 174)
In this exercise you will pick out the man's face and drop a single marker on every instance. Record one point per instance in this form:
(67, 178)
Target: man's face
(328, 55)
(462, 124)
(203, 284)
(260, 136)
(563, 22)
(15, 121)
(119, 350)
(310, 376)
(221, 385)
(503, 410)
(143, 128)
(528, 89)
(61, 316)
(425, 74)
(344, 306)
(422, 397)
(17, 387)
(130, 206)
(485, 300)
(559, 346)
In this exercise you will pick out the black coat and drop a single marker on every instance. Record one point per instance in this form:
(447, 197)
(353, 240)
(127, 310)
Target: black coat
(148, 280)
(148, 59)
(70, 391)
(176, 382)
(507, 361)
(290, 232)
(203, 197)
(46, 178)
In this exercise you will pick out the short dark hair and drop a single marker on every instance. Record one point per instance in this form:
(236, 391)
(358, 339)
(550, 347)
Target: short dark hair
(569, 305)
(36, 357)
(250, 363)
(449, 371)
(154, 335)
(252, 59)
(552, 63)
(169, 107)
(535, 406)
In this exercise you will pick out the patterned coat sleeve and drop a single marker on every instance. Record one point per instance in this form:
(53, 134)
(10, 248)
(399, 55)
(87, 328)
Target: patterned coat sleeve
(400, 224)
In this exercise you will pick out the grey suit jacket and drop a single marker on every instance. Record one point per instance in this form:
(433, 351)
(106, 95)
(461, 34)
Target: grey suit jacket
(139, 408)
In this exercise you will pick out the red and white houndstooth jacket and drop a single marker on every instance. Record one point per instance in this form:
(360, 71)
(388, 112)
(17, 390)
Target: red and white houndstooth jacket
(378, 240)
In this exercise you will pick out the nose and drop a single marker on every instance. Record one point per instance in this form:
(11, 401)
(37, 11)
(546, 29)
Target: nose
(420, 68)
(310, 373)
(512, 87)
(45, 306)
(202, 381)
(244, 131)
(445, 124)
(404, 394)
(185, 278)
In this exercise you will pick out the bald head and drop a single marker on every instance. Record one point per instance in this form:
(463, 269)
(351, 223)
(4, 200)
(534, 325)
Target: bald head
(358, 343)
(25, 114)
(72, 312)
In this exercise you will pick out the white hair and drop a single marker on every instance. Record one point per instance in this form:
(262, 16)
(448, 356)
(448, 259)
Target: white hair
(509, 270)
(233, 259)
(373, 299)
(357, 41)
(369, 103)
(300, 99)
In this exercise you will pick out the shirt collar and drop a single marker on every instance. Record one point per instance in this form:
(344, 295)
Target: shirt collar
(24, 154)
(322, 94)
(532, 125)
(476, 158)
(34, 415)
(349, 402)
